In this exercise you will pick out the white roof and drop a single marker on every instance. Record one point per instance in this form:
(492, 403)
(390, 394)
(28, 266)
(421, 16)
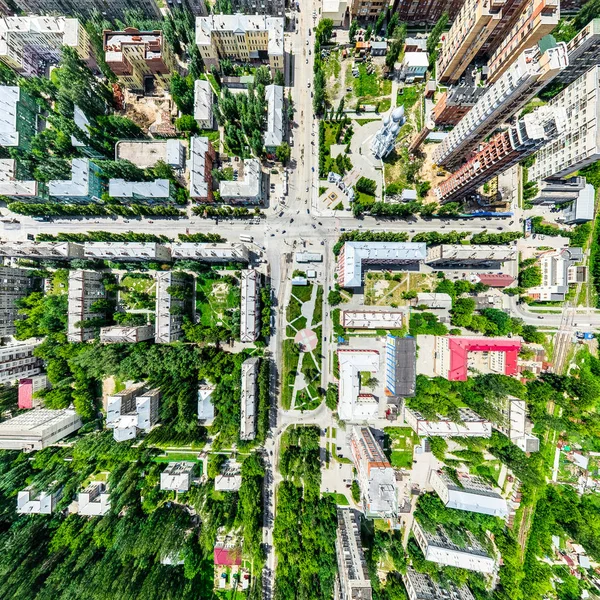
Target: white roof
(416, 59)
(199, 186)
(249, 187)
(274, 132)
(206, 409)
(203, 100)
(94, 500)
(79, 183)
(249, 305)
(437, 300)
(352, 406)
(82, 123)
(469, 500)
(9, 97)
(356, 252)
(248, 399)
(29, 503)
(177, 476)
(9, 185)
(119, 188)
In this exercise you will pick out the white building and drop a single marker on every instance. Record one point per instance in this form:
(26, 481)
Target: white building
(353, 405)
(354, 580)
(274, 133)
(203, 104)
(126, 251)
(41, 250)
(17, 361)
(248, 189)
(380, 254)
(580, 144)
(202, 155)
(250, 315)
(470, 493)
(84, 185)
(335, 10)
(206, 409)
(177, 476)
(13, 187)
(169, 320)
(85, 288)
(210, 252)
(118, 334)
(373, 319)
(385, 139)
(131, 411)
(460, 256)
(440, 549)
(414, 66)
(249, 398)
(158, 190)
(32, 502)
(307, 257)
(420, 586)
(94, 501)
(376, 477)
(15, 284)
(437, 301)
(470, 425)
(559, 270)
(37, 429)
(230, 477)
(516, 425)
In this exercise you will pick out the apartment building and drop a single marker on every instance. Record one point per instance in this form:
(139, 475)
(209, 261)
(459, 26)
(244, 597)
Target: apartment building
(29, 45)
(229, 478)
(583, 52)
(467, 492)
(18, 117)
(28, 387)
(158, 191)
(440, 549)
(94, 500)
(454, 104)
(537, 19)
(131, 411)
(169, 310)
(128, 251)
(251, 39)
(524, 136)
(373, 319)
(559, 270)
(274, 133)
(533, 69)
(18, 185)
(249, 187)
(353, 580)
(470, 424)
(85, 288)
(426, 12)
(473, 24)
(14, 285)
(458, 256)
(212, 253)
(516, 425)
(274, 8)
(177, 476)
(41, 250)
(376, 477)
(202, 157)
(17, 361)
(367, 9)
(420, 586)
(140, 59)
(249, 398)
(203, 104)
(206, 408)
(355, 254)
(37, 429)
(249, 307)
(400, 367)
(117, 334)
(354, 404)
(86, 184)
(86, 8)
(33, 502)
(579, 146)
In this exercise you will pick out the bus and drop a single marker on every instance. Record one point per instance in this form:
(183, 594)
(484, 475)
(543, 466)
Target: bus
(246, 238)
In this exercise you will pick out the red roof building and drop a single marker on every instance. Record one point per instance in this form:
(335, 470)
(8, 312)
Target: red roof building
(27, 387)
(496, 280)
(227, 557)
(500, 356)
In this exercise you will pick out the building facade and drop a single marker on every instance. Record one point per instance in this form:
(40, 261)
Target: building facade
(202, 157)
(169, 310)
(94, 500)
(203, 104)
(367, 9)
(85, 288)
(455, 103)
(400, 366)
(249, 39)
(249, 306)
(426, 12)
(131, 411)
(17, 361)
(420, 586)
(18, 117)
(33, 502)
(86, 8)
(249, 398)
(274, 8)
(515, 424)
(249, 187)
(14, 285)
(177, 476)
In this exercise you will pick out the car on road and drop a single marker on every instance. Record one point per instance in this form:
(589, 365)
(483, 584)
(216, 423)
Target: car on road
(308, 85)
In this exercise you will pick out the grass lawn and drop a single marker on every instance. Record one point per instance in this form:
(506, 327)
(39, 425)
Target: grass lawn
(395, 165)
(362, 122)
(408, 97)
(365, 199)
(388, 292)
(318, 312)
(294, 310)
(339, 499)
(300, 323)
(384, 105)
(366, 85)
(289, 366)
(302, 292)
(401, 459)
(215, 300)
(139, 292)
(177, 456)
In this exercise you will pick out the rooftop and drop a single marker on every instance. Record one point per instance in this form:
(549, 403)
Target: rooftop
(250, 186)
(10, 185)
(116, 41)
(274, 132)
(159, 188)
(78, 185)
(461, 347)
(9, 97)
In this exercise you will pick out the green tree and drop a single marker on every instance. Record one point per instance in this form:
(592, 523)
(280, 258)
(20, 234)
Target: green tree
(182, 92)
(436, 33)
(283, 153)
(355, 491)
(186, 123)
(530, 277)
(353, 30)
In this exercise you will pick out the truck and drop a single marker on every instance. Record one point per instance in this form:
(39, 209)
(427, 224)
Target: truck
(246, 238)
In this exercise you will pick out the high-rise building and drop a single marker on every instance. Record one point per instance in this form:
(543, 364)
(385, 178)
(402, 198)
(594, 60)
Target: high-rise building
(439, 548)
(455, 103)
(42, 250)
(249, 318)
(18, 117)
(537, 19)
(14, 285)
(274, 8)
(177, 476)
(531, 71)
(511, 9)
(516, 425)
(30, 44)
(475, 21)
(467, 492)
(85, 288)
(579, 146)
(420, 586)
(131, 411)
(583, 52)
(525, 136)
(139, 58)
(86, 8)
(248, 399)
(37, 429)
(252, 39)
(426, 12)
(559, 270)
(354, 581)
(376, 477)
(17, 361)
